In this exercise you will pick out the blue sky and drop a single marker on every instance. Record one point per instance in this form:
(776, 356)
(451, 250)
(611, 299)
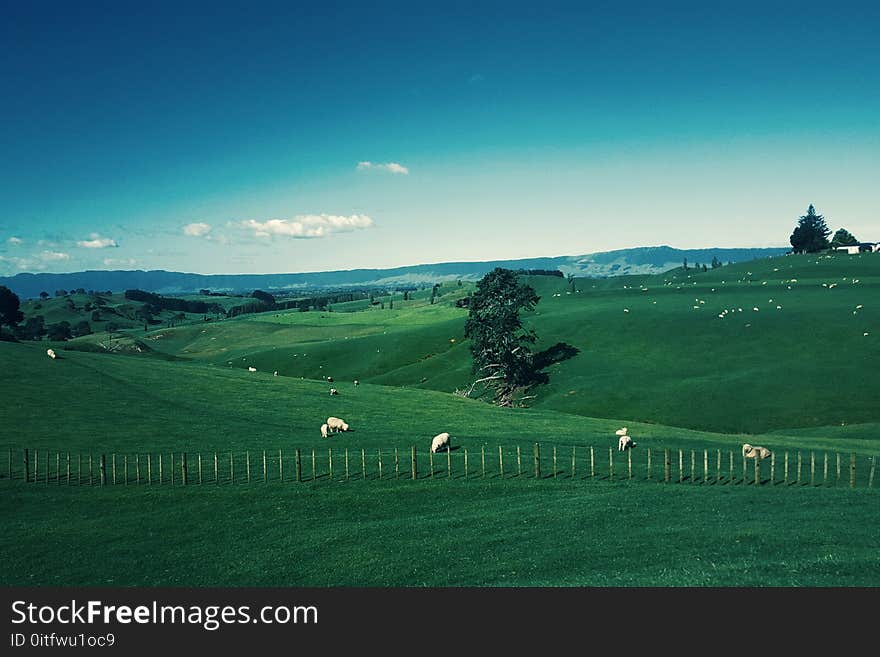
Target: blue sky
(264, 137)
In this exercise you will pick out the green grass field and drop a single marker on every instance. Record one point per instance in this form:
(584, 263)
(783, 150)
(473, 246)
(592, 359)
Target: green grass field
(798, 379)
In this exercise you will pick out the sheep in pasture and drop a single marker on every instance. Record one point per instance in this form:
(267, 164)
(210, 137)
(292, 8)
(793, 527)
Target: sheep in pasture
(620, 432)
(252, 369)
(336, 424)
(625, 443)
(275, 373)
(440, 441)
(356, 382)
(334, 391)
(50, 353)
(755, 451)
(329, 379)
(324, 431)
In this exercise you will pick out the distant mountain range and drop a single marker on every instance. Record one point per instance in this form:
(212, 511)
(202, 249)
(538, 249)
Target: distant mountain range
(641, 260)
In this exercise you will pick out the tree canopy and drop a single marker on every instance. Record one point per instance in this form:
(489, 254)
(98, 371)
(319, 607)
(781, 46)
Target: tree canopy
(500, 346)
(10, 304)
(843, 238)
(811, 233)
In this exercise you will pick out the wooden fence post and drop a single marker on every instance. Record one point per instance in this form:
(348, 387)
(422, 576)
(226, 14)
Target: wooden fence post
(431, 461)
(68, 470)
(537, 461)
(680, 466)
(610, 464)
(314, 472)
(149, 468)
(799, 459)
(718, 468)
(838, 468)
(396, 465)
(483, 459)
(825, 470)
(757, 470)
(200, 468)
(113, 464)
(10, 464)
(465, 463)
(852, 470)
(871, 476)
(216, 469)
(629, 462)
(693, 465)
(705, 465)
(573, 461)
(448, 462)
(501, 461)
(745, 466)
(666, 465)
(90, 470)
(772, 468)
(160, 468)
(379, 457)
(555, 467)
(363, 463)
(731, 465)
(58, 468)
(298, 466)
(330, 461)
(247, 465)
(280, 465)
(183, 472)
(518, 462)
(414, 463)
(172, 468)
(785, 470)
(649, 463)
(812, 468)
(103, 469)
(232, 466)
(37, 466)
(266, 470)
(124, 469)
(592, 463)
(26, 465)
(346, 464)
(137, 469)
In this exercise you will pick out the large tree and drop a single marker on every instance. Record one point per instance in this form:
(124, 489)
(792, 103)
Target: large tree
(500, 346)
(811, 233)
(10, 304)
(844, 238)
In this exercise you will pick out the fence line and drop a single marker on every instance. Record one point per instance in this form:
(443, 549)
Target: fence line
(173, 468)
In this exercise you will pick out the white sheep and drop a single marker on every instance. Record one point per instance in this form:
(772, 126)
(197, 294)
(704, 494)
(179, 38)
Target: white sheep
(323, 431)
(620, 432)
(625, 443)
(334, 391)
(252, 369)
(356, 382)
(50, 353)
(440, 441)
(336, 424)
(755, 451)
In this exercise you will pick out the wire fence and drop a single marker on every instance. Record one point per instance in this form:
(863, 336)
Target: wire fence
(540, 462)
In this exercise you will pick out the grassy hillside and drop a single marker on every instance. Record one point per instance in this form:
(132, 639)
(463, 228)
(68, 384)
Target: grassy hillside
(683, 348)
(510, 532)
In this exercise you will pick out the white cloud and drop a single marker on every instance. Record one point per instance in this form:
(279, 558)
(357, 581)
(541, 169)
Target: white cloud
(53, 256)
(309, 226)
(391, 167)
(116, 262)
(199, 229)
(97, 242)
(15, 241)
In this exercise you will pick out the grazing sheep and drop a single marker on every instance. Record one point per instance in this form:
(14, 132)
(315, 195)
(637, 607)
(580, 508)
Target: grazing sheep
(329, 379)
(356, 382)
(323, 431)
(620, 432)
(275, 373)
(334, 391)
(625, 443)
(440, 441)
(252, 369)
(50, 353)
(755, 451)
(336, 424)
